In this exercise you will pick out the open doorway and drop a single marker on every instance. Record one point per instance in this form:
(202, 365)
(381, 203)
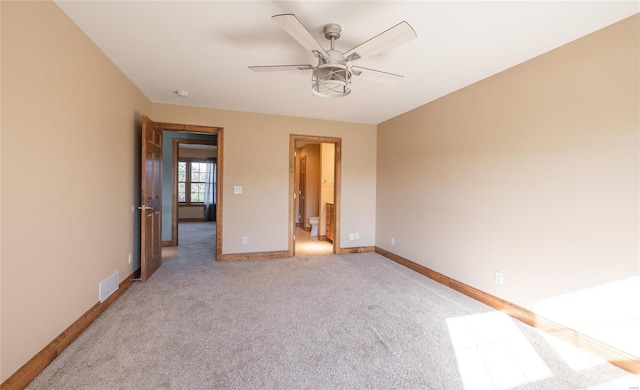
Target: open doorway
(194, 202)
(314, 206)
(192, 168)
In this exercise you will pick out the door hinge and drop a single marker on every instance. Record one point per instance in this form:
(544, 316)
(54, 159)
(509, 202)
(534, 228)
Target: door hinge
(294, 237)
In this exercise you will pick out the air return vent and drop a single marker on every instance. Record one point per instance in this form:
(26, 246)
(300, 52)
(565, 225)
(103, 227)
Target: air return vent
(108, 287)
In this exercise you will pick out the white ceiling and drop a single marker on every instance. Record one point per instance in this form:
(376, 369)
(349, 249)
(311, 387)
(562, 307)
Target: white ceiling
(204, 47)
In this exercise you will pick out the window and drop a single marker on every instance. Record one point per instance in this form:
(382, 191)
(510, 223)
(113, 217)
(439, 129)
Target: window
(191, 181)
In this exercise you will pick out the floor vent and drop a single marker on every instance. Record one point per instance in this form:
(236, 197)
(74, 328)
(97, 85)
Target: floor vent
(108, 287)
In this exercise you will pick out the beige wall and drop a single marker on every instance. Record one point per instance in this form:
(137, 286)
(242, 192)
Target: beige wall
(256, 156)
(533, 172)
(69, 122)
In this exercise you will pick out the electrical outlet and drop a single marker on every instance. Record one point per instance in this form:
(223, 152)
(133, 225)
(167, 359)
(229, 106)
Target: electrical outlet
(357, 235)
(130, 258)
(393, 241)
(244, 240)
(499, 277)
(351, 236)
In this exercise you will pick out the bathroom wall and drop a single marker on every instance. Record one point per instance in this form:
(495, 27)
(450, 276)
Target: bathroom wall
(327, 183)
(312, 209)
(296, 187)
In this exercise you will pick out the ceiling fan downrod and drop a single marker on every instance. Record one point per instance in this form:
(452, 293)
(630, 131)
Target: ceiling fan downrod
(332, 32)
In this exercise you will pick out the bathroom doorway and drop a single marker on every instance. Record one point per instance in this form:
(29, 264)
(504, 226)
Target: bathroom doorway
(314, 204)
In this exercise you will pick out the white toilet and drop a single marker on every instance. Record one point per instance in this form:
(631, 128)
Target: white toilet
(313, 221)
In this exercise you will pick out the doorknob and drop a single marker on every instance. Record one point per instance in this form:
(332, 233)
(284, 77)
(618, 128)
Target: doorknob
(144, 207)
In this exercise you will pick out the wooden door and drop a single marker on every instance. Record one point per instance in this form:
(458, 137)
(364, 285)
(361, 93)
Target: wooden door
(302, 206)
(151, 202)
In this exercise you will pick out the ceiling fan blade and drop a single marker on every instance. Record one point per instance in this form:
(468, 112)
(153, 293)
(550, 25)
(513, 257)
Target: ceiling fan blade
(275, 68)
(378, 76)
(295, 28)
(397, 35)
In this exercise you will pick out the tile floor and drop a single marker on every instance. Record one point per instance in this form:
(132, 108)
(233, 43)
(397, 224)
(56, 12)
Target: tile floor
(311, 246)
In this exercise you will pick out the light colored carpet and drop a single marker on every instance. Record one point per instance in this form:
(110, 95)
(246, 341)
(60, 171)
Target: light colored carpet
(326, 322)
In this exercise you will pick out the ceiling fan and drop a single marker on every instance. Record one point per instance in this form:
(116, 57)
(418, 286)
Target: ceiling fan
(331, 77)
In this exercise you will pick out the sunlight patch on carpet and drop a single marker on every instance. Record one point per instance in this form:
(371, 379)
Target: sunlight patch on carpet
(576, 358)
(628, 382)
(492, 353)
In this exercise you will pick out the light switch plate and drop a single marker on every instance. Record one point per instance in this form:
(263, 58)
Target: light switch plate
(237, 190)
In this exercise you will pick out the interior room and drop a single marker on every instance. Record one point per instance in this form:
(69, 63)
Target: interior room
(194, 162)
(474, 168)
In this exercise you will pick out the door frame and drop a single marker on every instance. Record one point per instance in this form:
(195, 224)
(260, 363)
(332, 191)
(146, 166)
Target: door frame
(175, 147)
(337, 169)
(219, 131)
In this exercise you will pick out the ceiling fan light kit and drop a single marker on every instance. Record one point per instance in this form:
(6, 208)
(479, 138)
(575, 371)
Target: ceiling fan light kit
(331, 78)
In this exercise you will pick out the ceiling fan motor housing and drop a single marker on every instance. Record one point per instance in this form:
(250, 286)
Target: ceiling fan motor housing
(332, 31)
